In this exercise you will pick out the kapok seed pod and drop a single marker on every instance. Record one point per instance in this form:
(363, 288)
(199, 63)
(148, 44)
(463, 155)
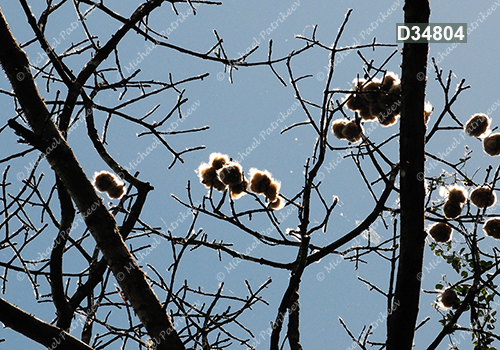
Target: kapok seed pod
(376, 109)
(218, 160)
(271, 192)
(390, 105)
(352, 131)
(491, 144)
(386, 101)
(230, 174)
(219, 186)
(452, 210)
(116, 192)
(441, 232)
(477, 125)
(387, 119)
(355, 102)
(262, 182)
(366, 115)
(338, 128)
(449, 298)
(483, 197)
(207, 174)
(396, 90)
(259, 182)
(237, 191)
(492, 228)
(277, 204)
(209, 178)
(389, 80)
(372, 90)
(457, 194)
(104, 180)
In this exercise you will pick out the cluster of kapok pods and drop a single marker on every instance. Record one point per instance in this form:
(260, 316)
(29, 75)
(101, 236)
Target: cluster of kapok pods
(221, 174)
(374, 100)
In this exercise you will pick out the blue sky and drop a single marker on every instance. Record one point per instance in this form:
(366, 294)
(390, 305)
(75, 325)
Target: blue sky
(241, 116)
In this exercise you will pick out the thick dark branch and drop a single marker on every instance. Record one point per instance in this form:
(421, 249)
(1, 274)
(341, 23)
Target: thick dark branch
(38, 330)
(28, 136)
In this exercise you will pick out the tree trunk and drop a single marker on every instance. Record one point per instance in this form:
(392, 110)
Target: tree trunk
(401, 323)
